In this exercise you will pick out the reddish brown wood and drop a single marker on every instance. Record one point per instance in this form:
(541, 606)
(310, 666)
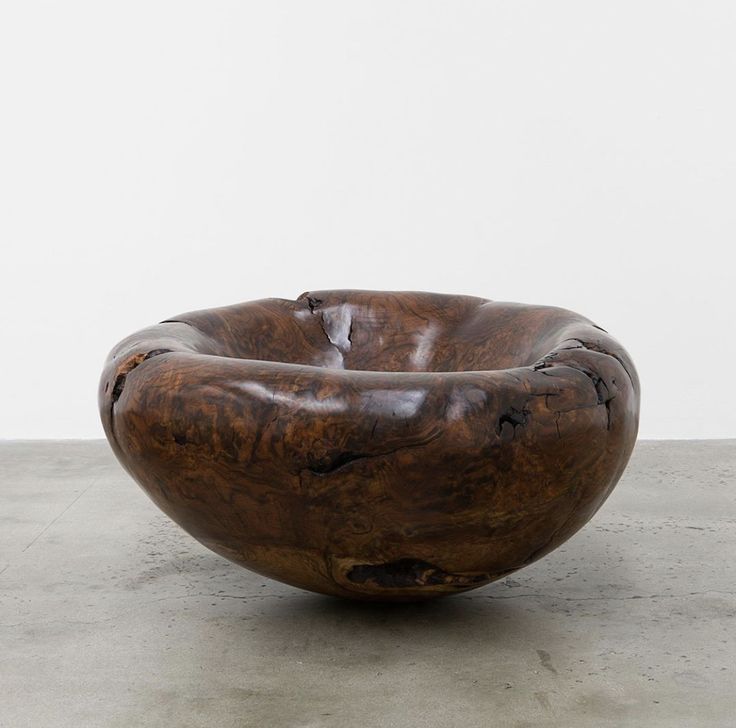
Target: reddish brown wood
(374, 445)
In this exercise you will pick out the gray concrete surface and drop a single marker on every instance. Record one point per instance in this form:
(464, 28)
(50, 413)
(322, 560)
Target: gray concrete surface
(111, 616)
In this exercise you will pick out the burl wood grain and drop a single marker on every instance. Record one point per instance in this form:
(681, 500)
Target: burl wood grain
(374, 445)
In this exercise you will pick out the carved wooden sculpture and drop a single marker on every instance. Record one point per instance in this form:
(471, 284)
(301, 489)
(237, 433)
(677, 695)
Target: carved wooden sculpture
(374, 445)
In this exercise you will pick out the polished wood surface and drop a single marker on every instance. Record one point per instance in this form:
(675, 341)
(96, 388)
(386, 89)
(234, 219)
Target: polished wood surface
(370, 444)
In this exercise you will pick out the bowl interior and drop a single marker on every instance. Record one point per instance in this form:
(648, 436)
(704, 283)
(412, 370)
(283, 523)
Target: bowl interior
(387, 332)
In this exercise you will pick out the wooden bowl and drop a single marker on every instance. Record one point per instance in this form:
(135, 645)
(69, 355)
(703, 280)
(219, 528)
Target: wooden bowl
(374, 445)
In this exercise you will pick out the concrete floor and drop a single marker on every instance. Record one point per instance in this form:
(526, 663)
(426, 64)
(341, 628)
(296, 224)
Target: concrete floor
(111, 616)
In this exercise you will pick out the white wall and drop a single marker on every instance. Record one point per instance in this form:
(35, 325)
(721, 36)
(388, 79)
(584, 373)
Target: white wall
(158, 157)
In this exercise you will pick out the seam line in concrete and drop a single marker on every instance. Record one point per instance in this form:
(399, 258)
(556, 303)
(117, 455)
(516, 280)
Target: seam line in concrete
(52, 522)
